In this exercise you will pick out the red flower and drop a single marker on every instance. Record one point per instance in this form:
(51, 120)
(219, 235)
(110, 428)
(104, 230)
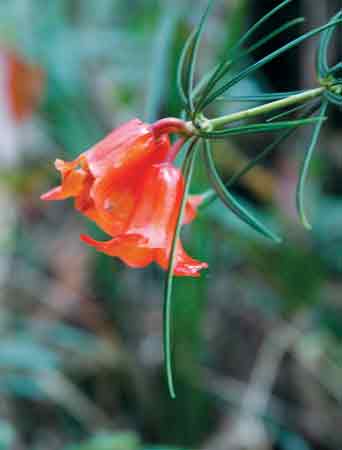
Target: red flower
(24, 85)
(126, 184)
(149, 232)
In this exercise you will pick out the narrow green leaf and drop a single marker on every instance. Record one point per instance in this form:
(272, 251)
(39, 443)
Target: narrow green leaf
(219, 72)
(305, 167)
(333, 98)
(267, 150)
(183, 69)
(187, 61)
(249, 70)
(322, 56)
(336, 67)
(223, 67)
(229, 64)
(228, 199)
(187, 169)
(258, 24)
(194, 54)
(259, 98)
(202, 83)
(258, 128)
(211, 195)
(288, 112)
(270, 36)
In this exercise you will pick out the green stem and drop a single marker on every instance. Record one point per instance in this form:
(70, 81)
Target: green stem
(219, 122)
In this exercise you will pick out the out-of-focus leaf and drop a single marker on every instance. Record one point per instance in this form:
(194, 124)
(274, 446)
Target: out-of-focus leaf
(159, 77)
(327, 232)
(110, 441)
(21, 386)
(163, 448)
(16, 353)
(7, 435)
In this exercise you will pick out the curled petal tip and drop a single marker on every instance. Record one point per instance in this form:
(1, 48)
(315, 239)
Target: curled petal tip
(115, 243)
(191, 269)
(89, 240)
(53, 194)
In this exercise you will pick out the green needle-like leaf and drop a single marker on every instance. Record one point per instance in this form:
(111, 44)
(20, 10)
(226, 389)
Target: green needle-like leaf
(322, 58)
(187, 169)
(187, 62)
(228, 199)
(259, 98)
(249, 70)
(194, 54)
(229, 64)
(305, 167)
(258, 128)
(223, 67)
(272, 35)
(288, 112)
(211, 195)
(259, 23)
(333, 98)
(183, 70)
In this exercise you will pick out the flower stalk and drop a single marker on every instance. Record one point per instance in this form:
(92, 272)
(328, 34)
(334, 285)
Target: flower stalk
(220, 122)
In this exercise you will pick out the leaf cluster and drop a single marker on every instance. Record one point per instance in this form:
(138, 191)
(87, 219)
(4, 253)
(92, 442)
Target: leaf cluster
(213, 86)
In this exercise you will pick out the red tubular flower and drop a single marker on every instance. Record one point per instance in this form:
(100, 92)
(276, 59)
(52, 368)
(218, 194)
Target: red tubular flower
(149, 232)
(104, 179)
(128, 186)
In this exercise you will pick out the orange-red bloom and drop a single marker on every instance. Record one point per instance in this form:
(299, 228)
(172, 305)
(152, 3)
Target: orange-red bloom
(128, 186)
(24, 85)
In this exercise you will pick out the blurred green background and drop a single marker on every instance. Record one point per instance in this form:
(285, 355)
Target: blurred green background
(257, 339)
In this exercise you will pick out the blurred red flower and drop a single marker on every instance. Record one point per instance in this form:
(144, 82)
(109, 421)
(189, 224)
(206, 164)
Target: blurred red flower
(24, 85)
(127, 184)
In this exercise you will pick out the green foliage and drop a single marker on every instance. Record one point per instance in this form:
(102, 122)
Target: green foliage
(110, 441)
(305, 167)
(81, 335)
(256, 66)
(116, 441)
(7, 435)
(187, 170)
(228, 200)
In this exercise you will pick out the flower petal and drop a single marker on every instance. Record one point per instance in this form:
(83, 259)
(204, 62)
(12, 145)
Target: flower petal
(184, 264)
(191, 208)
(156, 214)
(130, 248)
(25, 86)
(125, 147)
(158, 204)
(73, 180)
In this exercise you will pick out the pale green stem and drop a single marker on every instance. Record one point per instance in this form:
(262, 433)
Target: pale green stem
(220, 122)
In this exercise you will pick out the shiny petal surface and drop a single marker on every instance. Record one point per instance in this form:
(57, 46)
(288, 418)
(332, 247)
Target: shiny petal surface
(156, 215)
(130, 248)
(125, 147)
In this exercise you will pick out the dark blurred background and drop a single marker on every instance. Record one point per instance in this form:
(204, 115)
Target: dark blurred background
(257, 339)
